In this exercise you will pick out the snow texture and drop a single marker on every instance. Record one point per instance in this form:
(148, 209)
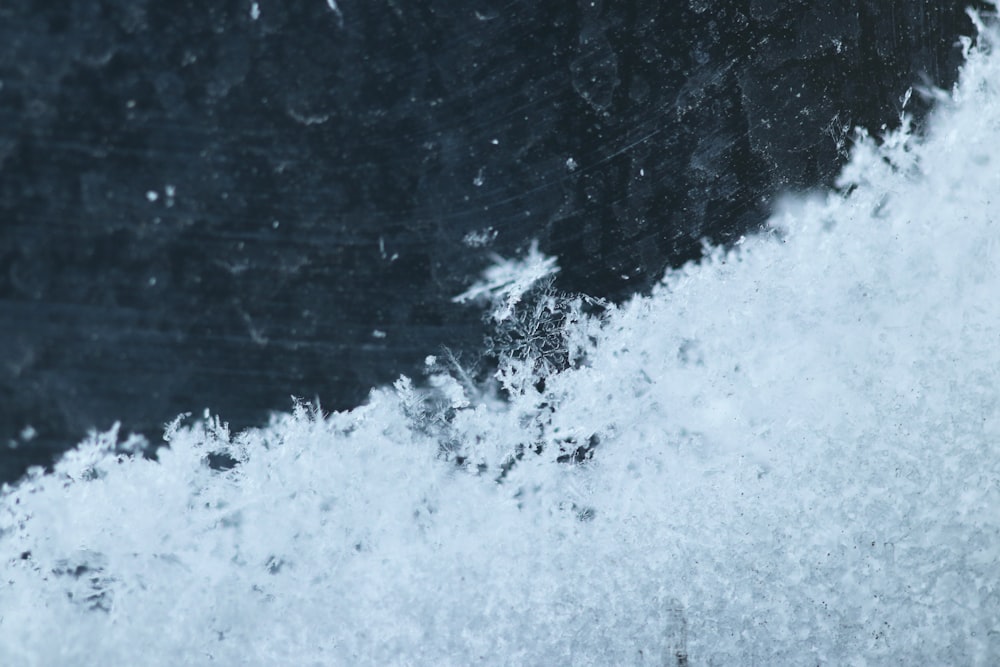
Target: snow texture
(786, 455)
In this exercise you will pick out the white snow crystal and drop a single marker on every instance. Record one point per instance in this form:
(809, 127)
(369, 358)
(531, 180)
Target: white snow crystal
(505, 282)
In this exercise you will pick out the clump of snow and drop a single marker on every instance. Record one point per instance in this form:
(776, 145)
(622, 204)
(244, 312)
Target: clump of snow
(788, 454)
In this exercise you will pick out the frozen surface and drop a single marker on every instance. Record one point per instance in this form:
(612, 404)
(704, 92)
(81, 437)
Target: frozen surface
(789, 456)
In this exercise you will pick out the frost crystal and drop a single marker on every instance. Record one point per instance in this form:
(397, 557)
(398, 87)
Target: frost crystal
(506, 282)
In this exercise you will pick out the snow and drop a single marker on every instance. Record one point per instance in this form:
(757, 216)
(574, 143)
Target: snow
(506, 282)
(795, 460)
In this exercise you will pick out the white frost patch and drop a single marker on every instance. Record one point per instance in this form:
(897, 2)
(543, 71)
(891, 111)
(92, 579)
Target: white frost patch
(506, 282)
(796, 461)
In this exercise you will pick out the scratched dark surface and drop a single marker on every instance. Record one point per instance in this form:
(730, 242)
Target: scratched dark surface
(225, 204)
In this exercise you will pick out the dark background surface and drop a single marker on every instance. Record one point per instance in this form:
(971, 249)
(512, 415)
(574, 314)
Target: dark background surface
(204, 205)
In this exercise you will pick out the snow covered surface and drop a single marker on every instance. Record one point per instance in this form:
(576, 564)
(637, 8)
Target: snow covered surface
(795, 460)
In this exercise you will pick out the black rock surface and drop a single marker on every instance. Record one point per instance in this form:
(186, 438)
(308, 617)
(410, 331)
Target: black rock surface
(222, 204)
